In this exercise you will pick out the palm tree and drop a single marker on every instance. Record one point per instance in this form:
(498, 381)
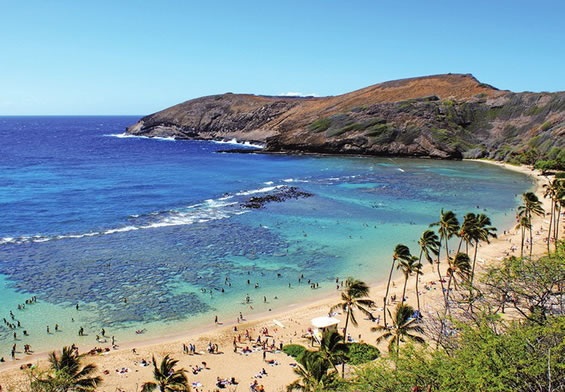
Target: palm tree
(467, 230)
(401, 252)
(559, 206)
(532, 206)
(555, 190)
(551, 192)
(332, 348)
(353, 297)
(524, 224)
(429, 245)
(68, 374)
(167, 379)
(482, 231)
(313, 372)
(403, 327)
(448, 227)
(460, 267)
(408, 267)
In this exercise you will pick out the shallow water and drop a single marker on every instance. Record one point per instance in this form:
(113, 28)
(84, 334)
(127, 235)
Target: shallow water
(151, 234)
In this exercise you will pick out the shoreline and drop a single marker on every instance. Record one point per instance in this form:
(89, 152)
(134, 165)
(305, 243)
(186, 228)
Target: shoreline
(294, 317)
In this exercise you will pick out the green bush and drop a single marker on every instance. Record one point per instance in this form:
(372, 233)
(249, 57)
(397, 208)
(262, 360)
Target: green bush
(550, 164)
(293, 350)
(376, 129)
(320, 125)
(362, 353)
(546, 125)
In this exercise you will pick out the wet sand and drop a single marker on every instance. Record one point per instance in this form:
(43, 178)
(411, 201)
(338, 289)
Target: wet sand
(121, 366)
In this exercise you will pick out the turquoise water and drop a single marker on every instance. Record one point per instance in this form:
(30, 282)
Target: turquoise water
(152, 235)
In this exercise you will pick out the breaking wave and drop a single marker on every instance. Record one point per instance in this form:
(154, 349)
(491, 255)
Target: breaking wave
(223, 207)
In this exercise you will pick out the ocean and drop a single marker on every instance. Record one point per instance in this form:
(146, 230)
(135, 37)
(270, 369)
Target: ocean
(129, 234)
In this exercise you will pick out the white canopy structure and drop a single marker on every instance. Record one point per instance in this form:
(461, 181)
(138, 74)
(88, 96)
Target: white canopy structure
(325, 322)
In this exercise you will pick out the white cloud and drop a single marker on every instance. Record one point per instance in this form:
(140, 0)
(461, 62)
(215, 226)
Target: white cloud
(298, 94)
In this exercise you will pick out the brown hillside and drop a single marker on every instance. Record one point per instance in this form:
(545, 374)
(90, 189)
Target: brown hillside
(440, 116)
(451, 86)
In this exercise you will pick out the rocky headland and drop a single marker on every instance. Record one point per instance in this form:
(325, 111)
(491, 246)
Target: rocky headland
(450, 116)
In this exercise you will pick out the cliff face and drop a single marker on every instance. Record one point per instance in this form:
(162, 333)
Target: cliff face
(443, 116)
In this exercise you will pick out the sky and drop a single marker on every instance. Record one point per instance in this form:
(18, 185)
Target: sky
(84, 57)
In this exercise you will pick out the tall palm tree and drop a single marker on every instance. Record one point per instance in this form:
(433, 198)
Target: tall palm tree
(551, 192)
(448, 226)
(167, 379)
(68, 374)
(404, 326)
(555, 190)
(353, 297)
(312, 371)
(429, 245)
(524, 224)
(401, 252)
(333, 349)
(559, 207)
(459, 268)
(482, 231)
(532, 206)
(408, 266)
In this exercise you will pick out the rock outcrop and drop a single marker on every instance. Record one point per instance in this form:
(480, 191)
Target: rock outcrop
(442, 116)
(277, 196)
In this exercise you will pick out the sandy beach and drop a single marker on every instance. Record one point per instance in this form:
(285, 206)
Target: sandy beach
(248, 351)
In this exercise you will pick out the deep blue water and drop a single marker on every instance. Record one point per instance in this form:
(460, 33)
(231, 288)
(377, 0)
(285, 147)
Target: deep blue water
(92, 217)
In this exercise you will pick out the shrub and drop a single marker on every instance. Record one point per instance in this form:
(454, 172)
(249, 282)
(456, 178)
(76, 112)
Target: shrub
(294, 350)
(546, 125)
(362, 353)
(320, 125)
(376, 129)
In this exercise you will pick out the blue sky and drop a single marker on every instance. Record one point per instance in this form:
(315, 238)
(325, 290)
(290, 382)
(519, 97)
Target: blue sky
(138, 57)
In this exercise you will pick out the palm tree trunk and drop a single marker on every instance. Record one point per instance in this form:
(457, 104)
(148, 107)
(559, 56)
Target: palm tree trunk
(439, 272)
(549, 229)
(459, 246)
(448, 263)
(531, 240)
(404, 288)
(472, 277)
(345, 337)
(447, 294)
(447, 248)
(474, 263)
(346, 322)
(417, 280)
(523, 228)
(557, 221)
(386, 294)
